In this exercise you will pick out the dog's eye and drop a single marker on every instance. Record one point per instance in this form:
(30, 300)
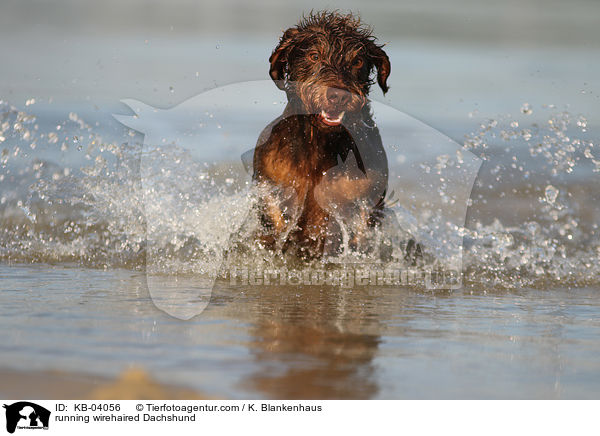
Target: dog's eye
(314, 56)
(357, 63)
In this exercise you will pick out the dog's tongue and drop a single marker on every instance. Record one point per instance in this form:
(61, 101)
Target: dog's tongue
(332, 118)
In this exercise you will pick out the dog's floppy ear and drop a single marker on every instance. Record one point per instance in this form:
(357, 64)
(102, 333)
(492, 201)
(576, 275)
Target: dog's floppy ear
(382, 63)
(279, 56)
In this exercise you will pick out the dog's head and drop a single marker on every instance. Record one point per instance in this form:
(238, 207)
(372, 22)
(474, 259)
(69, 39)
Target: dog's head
(327, 62)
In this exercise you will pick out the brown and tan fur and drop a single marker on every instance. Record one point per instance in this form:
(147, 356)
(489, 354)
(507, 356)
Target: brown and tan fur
(309, 167)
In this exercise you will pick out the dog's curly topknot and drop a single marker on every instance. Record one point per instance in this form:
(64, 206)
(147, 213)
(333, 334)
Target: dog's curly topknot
(337, 36)
(336, 23)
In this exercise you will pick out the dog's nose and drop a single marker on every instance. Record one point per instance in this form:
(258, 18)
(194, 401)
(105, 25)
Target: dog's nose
(337, 97)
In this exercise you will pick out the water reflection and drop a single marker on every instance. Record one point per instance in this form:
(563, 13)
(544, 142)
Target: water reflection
(314, 343)
(317, 342)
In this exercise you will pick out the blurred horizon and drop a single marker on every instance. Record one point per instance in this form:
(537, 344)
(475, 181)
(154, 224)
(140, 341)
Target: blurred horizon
(522, 23)
(449, 59)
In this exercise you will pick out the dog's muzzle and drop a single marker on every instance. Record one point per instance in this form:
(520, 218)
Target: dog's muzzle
(337, 102)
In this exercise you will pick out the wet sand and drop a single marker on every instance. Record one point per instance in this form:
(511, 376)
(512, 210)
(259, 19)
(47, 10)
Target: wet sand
(133, 384)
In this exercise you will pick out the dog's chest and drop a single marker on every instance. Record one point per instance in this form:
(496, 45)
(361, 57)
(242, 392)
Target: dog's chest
(321, 152)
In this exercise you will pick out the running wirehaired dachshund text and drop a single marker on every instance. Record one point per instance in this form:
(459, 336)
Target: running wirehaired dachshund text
(321, 167)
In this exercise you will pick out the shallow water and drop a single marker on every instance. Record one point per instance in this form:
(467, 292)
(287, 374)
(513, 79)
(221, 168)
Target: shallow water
(84, 218)
(80, 229)
(278, 342)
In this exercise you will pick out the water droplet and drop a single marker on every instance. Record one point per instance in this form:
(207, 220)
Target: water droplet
(533, 228)
(551, 194)
(526, 109)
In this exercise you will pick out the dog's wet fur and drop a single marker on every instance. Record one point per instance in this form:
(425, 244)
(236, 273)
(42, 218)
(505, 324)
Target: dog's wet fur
(323, 158)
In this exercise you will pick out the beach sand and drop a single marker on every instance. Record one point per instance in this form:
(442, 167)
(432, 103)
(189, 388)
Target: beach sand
(132, 384)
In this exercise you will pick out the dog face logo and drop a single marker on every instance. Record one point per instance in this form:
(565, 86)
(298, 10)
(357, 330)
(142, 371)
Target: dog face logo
(179, 141)
(26, 415)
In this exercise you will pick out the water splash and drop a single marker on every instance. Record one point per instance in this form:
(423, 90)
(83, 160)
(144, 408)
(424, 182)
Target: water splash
(97, 214)
(553, 240)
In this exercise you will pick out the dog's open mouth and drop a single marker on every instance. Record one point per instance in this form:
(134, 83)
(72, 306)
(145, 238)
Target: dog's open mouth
(331, 118)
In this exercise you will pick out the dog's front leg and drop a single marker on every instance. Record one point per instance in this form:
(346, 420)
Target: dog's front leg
(279, 210)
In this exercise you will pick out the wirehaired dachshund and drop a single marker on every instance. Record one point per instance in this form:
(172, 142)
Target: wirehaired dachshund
(320, 167)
